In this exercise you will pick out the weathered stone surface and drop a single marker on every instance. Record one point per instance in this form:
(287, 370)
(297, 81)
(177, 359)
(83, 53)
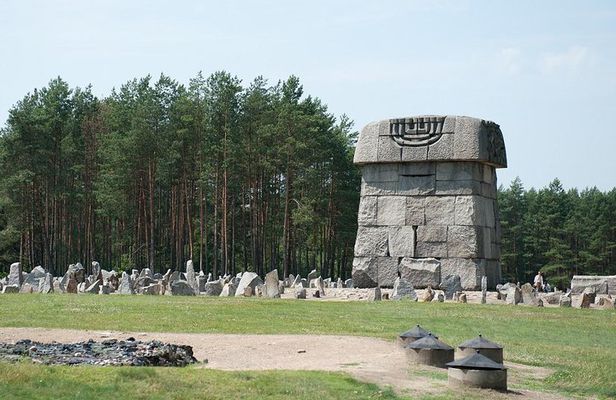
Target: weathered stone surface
(427, 295)
(450, 285)
(514, 295)
(421, 272)
(600, 284)
(320, 285)
(38, 272)
(213, 288)
(432, 233)
(272, 287)
(372, 241)
(348, 283)
(126, 284)
(415, 210)
(391, 210)
(153, 289)
(366, 149)
(431, 249)
(462, 298)
(10, 289)
(442, 149)
(473, 139)
(440, 210)
(484, 283)
(34, 278)
(182, 288)
(26, 288)
(401, 241)
(445, 182)
(46, 284)
(588, 298)
(411, 185)
(94, 288)
(459, 171)
(403, 290)
(473, 210)
(606, 303)
(372, 271)
(367, 210)
(228, 290)
(528, 294)
(191, 277)
(469, 270)
(552, 298)
(464, 242)
(249, 279)
(15, 275)
(96, 270)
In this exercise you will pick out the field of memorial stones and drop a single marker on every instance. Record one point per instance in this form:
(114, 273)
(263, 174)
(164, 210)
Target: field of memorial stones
(314, 335)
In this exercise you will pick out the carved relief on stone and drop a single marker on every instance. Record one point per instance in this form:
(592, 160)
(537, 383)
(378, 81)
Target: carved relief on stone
(496, 144)
(417, 131)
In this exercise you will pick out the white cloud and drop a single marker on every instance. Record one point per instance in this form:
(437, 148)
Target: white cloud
(570, 60)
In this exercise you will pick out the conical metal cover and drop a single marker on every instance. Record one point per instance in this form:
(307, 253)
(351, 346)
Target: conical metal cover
(429, 342)
(416, 332)
(480, 343)
(475, 361)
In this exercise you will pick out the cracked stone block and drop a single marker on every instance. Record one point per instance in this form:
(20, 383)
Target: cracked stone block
(369, 272)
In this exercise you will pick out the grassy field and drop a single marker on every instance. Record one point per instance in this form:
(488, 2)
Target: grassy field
(578, 344)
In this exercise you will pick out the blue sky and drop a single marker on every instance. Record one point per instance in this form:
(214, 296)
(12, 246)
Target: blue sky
(544, 70)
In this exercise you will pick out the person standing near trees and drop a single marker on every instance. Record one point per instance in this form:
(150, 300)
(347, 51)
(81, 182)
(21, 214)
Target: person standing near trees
(538, 283)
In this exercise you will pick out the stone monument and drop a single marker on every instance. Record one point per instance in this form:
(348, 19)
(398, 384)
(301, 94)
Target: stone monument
(428, 197)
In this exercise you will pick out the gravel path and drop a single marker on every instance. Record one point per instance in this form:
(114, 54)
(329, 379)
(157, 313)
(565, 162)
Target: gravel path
(367, 359)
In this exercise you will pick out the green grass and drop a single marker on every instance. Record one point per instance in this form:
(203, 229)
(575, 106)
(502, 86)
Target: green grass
(578, 344)
(24, 381)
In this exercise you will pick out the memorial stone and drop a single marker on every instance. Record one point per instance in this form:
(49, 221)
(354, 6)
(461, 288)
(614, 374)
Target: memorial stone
(428, 190)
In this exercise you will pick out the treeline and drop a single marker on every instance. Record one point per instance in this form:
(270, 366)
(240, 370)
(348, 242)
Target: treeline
(234, 177)
(561, 233)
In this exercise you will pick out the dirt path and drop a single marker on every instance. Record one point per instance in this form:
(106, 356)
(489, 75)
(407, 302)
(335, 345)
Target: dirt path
(367, 359)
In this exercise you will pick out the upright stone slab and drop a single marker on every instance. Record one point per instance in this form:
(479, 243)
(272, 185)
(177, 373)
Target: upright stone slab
(15, 275)
(272, 289)
(126, 284)
(428, 190)
(191, 277)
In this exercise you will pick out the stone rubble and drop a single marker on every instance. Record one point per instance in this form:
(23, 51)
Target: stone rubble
(108, 352)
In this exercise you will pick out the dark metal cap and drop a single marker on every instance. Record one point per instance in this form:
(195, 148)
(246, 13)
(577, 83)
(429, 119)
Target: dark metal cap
(476, 361)
(480, 343)
(429, 342)
(415, 332)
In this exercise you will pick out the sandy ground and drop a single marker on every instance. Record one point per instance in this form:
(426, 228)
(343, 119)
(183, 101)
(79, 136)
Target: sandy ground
(367, 359)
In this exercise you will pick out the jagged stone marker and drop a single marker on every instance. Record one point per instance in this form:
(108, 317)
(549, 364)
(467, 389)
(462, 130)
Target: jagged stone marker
(428, 190)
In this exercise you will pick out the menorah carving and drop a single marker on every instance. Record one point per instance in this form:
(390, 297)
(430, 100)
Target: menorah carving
(417, 131)
(428, 207)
